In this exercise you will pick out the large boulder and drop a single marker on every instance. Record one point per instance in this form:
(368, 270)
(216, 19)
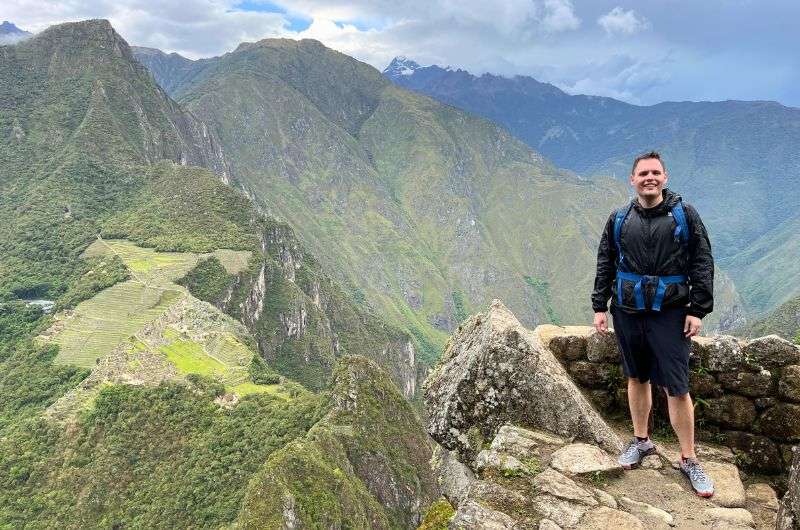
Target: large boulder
(772, 352)
(722, 353)
(454, 478)
(495, 371)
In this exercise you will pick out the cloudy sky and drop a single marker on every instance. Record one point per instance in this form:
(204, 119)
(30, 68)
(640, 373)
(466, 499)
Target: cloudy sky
(640, 51)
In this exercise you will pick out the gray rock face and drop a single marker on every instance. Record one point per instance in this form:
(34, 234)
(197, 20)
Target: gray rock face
(454, 478)
(789, 385)
(491, 459)
(495, 371)
(602, 348)
(782, 421)
(568, 347)
(760, 451)
(564, 513)
(772, 352)
(554, 483)
(579, 459)
(722, 354)
(515, 441)
(494, 495)
(789, 511)
(732, 411)
(753, 384)
(473, 516)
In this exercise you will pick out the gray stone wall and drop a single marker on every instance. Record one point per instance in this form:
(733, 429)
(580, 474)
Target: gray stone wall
(746, 393)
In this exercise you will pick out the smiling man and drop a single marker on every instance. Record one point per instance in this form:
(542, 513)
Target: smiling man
(654, 262)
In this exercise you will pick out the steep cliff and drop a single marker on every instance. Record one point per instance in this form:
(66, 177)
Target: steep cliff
(363, 465)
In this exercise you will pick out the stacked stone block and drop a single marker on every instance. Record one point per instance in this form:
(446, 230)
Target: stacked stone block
(747, 393)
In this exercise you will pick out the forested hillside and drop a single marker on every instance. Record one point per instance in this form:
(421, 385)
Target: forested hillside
(423, 211)
(136, 401)
(734, 160)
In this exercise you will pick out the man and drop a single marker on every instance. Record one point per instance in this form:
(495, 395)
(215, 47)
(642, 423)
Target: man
(654, 262)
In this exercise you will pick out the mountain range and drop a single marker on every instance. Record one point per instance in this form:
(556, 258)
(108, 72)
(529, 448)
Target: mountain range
(734, 160)
(253, 260)
(9, 33)
(423, 210)
(175, 299)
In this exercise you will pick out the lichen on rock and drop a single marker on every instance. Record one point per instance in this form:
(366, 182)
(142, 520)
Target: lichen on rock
(495, 371)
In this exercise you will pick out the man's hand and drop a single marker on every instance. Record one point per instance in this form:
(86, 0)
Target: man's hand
(601, 322)
(691, 327)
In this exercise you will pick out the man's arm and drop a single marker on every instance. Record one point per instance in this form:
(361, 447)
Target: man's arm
(606, 268)
(701, 267)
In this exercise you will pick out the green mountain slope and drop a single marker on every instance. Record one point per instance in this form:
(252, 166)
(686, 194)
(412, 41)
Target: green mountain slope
(784, 321)
(425, 210)
(734, 160)
(97, 149)
(766, 272)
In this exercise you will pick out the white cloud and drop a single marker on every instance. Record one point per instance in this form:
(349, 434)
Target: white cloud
(559, 15)
(624, 22)
(546, 39)
(194, 28)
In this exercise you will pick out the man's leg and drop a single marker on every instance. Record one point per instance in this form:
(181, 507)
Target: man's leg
(681, 416)
(640, 400)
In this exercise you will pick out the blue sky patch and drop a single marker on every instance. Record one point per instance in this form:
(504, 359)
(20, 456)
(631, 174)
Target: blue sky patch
(295, 23)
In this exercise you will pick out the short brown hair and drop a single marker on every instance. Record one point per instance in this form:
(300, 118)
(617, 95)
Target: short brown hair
(645, 156)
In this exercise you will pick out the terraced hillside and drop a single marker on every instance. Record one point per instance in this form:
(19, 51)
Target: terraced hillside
(422, 210)
(154, 431)
(96, 326)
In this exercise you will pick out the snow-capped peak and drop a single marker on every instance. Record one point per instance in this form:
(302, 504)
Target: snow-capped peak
(400, 65)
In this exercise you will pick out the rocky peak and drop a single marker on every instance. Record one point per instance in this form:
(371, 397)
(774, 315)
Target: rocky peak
(9, 33)
(400, 65)
(85, 37)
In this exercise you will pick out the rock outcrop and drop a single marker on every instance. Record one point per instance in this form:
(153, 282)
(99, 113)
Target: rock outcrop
(495, 371)
(573, 485)
(789, 511)
(365, 464)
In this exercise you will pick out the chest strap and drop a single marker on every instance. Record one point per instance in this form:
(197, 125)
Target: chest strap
(642, 280)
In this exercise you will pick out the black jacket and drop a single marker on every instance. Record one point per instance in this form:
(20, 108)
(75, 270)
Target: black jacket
(649, 247)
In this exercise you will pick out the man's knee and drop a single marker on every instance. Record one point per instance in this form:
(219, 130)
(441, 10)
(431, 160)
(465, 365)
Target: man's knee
(681, 398)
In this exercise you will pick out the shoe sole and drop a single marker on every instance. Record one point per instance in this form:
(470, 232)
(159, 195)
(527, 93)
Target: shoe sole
(628, 467)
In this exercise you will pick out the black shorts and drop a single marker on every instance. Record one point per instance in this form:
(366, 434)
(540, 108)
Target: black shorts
(654, 347)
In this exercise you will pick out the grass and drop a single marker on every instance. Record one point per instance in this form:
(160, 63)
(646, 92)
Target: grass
(189, 357)
(244, 389)
(100, 324)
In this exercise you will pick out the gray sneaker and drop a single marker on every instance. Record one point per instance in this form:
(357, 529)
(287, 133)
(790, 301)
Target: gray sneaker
(632, 456)
(701, 483)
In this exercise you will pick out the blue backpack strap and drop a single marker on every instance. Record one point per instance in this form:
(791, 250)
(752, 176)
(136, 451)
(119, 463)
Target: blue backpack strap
(619, 218)
(682, 228)
(663, 281)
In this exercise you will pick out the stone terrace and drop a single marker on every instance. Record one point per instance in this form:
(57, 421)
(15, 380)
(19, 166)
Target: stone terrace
(746, 393)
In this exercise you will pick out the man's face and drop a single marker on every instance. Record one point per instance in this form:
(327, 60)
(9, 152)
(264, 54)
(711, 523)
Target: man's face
(648, 178)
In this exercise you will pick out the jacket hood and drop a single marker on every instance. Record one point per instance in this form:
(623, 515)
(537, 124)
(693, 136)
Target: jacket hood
(670, 200)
